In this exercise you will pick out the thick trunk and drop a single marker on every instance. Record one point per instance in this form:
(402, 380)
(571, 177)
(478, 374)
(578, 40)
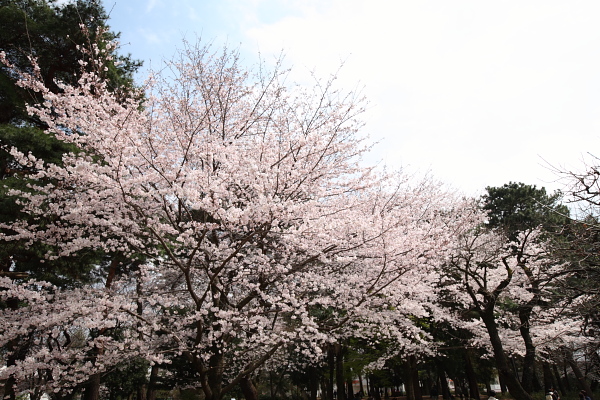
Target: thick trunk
(151, 392)
(472, 379)
(92, 388)
(581, 381)
(248, 388)
(548, 379)
(529, 359)
(559, 381)
(408, 381)
(212, 379)
(444, 383)
(349, 389)
(415, 378)
(504, 370)
(324, 389)
(313, 383)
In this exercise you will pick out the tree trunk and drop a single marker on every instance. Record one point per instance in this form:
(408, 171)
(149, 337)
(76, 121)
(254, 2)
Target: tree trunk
(548, 381)
(331, 365)
(415, 378)
(559, 381)
(567, 383)
(504, 370)
(581, 381)
(537, 387)
(212, 377)
(360, 383)
(503, 388)
(446, 395)
(529, 359)
(339, 372)
(92, 388)
(349, 389)
(408, 381)
(151, 392)
(313, 382)
(472, 379)
(248, 388)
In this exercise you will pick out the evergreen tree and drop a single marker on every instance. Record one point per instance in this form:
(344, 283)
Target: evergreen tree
(53, 35)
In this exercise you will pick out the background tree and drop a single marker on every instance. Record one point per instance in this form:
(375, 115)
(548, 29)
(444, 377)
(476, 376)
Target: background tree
(517, 208)
(583, 189)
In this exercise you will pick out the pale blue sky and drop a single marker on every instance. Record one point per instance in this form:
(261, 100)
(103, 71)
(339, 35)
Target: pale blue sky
(478, 92)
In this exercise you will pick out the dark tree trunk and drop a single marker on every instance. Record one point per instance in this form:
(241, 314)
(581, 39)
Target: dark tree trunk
(331, 362)
(360, 383)
(567, 383)
(537, 387)
(503, 388)
(339, 372)
(92, 388)
(408, 381)
(151, 393)
(488, 387)
(559, 381)
(444, 383)
(313, 382)
(248, 388)
(415, 378)
(504, 370)
(529, 359)
(548, 380)
(581, 381)
(211, 378)
(349, 389)
(472, 379)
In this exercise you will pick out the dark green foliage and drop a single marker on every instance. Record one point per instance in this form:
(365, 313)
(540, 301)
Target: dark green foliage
(516, 207)
(52, 34)
(126, 378)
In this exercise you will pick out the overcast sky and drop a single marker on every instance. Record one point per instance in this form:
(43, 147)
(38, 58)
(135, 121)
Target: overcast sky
(479, 93)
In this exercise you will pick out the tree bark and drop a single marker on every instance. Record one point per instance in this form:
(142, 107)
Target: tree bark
(360, 383)
(471, 378)
(339, 372)
(548, 380)
(443, 382)
(581, 381)
(415, 378)
(151, 393)
(408, 381)
(331, 362)
(248, 388)
(92, 388)
(504, 370)
(525, 311)
(313, 382)
(559, 381)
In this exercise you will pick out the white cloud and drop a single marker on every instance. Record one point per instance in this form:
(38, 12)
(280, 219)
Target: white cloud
(478, 91)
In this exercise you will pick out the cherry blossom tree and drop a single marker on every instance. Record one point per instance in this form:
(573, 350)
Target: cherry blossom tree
(499, 280)
(243, 203)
